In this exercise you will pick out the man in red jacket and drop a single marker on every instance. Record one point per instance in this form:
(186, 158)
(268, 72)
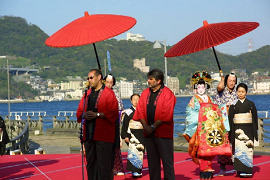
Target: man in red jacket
(98, 112)
(155, 111)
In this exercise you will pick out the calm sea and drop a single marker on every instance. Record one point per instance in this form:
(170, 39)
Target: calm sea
(262, 103)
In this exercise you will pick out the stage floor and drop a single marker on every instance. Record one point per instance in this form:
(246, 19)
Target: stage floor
(68, 166)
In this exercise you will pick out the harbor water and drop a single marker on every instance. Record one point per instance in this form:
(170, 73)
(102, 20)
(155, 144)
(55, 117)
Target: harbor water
(58, 108)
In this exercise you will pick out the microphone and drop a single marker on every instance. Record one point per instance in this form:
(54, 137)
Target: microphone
(86, 85)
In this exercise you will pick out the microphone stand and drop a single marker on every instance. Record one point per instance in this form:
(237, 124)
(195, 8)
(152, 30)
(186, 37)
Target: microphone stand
(82, 130)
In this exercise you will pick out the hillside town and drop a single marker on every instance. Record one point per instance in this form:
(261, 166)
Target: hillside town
(74, 87)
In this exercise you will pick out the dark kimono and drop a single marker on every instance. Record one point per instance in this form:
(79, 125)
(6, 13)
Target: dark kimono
(4, 139)
(244, 125)
(134, 131)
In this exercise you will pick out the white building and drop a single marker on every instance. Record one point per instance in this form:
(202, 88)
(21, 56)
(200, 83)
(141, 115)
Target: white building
(126, 89)
(135, 37)
(261, 86)
(73, 83)
(140, 64)
(215, 76)
(173, 84)
(76, 94)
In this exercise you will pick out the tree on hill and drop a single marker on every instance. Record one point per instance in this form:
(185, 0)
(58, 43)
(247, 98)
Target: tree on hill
(26, 42)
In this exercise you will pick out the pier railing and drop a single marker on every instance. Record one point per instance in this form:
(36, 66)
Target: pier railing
(19, 135)
(66, 121)
(264, 133)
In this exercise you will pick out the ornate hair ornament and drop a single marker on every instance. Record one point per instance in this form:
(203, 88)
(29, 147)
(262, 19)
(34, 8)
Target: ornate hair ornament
(201, 75)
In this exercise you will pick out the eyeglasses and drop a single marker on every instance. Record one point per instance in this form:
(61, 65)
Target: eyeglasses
(91, 77)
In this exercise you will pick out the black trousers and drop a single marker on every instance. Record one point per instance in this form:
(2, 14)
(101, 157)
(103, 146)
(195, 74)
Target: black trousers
(160, 149)
(99, 160)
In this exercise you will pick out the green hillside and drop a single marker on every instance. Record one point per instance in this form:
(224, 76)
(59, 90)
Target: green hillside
(26, 43)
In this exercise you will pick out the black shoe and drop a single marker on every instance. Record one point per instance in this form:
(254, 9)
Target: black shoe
(206, 175)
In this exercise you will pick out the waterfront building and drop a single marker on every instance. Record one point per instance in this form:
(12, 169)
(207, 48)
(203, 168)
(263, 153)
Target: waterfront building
(173, 85)
(53, 87)
(126, 89)
(42, 98)
(139, 86)
(73, 83)
(75, 94)
(261, 85)
(215, 76)
(213, 87)
(135, 37)
(241, 76)
(140, 64)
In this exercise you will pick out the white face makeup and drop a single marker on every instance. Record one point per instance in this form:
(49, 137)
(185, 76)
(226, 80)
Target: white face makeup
(201, 89)
(109, 81)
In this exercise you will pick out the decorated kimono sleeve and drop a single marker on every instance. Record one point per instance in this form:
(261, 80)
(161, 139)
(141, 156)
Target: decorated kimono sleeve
(124, 130)
(225, 117)
(191, 118)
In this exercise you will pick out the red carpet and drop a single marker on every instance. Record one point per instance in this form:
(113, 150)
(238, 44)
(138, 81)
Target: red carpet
(68, 166)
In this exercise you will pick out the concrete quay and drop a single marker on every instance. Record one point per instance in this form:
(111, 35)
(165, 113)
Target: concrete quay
(68, 142)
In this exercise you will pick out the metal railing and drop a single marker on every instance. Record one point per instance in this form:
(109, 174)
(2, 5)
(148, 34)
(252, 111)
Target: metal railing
(21, 139)
(66, 113)
(28, 113)
(66, 120)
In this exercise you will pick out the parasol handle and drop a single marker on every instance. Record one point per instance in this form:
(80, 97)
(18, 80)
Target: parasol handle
(97, 56)
(219, 68)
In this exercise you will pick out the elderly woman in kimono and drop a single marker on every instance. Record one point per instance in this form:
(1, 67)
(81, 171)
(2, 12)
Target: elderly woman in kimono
(118, 168)
(132, 133)
(206, 126)
(244, 125)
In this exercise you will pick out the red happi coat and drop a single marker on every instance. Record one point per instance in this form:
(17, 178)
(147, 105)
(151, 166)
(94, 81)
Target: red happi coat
(108, 105)
(165, 103)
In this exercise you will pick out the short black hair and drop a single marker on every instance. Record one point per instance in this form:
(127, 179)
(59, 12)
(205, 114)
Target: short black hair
(114, 81)
(157, 74)
(226, 78)
(243, 85)
(97, 72)
(135, 94)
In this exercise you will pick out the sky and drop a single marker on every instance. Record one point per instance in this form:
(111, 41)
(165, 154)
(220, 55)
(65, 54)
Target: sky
(163, 20)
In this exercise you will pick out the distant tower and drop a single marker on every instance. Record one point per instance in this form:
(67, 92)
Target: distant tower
(249, 45)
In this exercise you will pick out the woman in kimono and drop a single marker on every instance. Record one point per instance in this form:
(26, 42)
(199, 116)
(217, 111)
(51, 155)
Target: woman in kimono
(118, 168)
(132, 133)
(244, 125)
(4, 139)
(206, 126)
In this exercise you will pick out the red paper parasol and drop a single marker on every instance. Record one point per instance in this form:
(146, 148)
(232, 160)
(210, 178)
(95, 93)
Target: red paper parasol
(210, 35)
(90, 29)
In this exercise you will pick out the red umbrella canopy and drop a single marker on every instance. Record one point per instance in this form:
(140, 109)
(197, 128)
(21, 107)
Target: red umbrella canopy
(90, 29)
(210, 35)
